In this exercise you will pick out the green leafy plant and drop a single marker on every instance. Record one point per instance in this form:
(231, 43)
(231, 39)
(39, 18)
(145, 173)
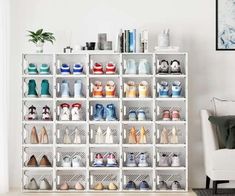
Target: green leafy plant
(40, 36)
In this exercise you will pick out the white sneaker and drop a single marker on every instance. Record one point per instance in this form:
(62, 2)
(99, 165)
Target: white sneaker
(67, 139)
(76, 112)
(109, 136)
(77, 161)
(64, 111)
(99, 137)
(175, 161)
(66, 162)
(77, 138)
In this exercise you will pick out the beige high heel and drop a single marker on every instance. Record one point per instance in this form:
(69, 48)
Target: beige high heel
(132, 136)
(34, 136)
(43, 137)
(142, 138)
(164, 136)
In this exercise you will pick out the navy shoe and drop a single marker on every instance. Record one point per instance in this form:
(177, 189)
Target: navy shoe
(144, 186)
(110, 113)
(77, 69)
(65, 69)
(130, 185)
(99, 112)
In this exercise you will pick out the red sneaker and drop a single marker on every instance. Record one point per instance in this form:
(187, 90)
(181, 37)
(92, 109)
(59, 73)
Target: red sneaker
(110, 68)
(175, 115)
(166, 115)
(97, 69)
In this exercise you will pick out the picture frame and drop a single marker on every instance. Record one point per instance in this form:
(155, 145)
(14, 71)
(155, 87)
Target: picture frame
(225, 25)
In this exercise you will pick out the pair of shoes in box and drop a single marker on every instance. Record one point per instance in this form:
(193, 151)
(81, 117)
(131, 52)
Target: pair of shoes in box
(107, 113)
(140, 161)
(169, 160)
(169, 137)
(32, 114)
(144, 186)
(32, 92)
(65, 92)
(75, 113)
(33, 185)
(168, 115)
(98, 68)
(133, 90)
(67, 138)
(43, 70)
(137, 139)
(174, 186)
(77, 69)
(142, 67)
(173, 68)
(164, 89)
(137, 115)
(110, 160)
(75, 161)
(65, 186)
(44, 162)
(108, 91)
(41, 138)
(111, 186)
(101, 138)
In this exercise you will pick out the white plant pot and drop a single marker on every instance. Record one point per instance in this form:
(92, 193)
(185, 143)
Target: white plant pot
(39, 47)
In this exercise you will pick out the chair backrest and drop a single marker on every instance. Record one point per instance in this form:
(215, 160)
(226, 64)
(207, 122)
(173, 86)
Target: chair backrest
(210, 140)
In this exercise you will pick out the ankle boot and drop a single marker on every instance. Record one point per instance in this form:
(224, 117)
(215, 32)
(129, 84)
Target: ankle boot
(43, 136)
(34, 136)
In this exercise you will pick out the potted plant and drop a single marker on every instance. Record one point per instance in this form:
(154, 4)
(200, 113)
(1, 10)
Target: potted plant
(39, 38)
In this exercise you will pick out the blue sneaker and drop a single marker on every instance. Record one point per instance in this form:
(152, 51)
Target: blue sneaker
(64, 86)
(131, 67)
(78, 88)
(65, 69)
(132, 115)
(110, 113)
(44, 69)
(77, 69)
(176, 89)
(99, 112)
(144, 67)
(32, 69)
(144, 186)
(141, 115)
(164, 89)
(131, 160)
(130, 185)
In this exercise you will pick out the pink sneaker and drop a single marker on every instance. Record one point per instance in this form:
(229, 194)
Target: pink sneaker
(97, 69)
(110, 68)
(166, 115)
(175, 115)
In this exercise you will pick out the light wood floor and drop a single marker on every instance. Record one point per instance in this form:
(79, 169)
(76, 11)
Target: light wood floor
(17, 193)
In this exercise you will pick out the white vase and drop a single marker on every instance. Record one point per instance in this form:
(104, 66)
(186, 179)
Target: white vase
(39, 47)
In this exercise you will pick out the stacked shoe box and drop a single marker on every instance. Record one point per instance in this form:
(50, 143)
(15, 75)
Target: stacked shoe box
(114, 122)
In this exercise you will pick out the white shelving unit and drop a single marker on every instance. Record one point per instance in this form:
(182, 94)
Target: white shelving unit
(153, 106)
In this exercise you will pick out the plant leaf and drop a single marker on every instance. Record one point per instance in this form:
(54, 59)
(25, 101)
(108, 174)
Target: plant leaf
(39, 32)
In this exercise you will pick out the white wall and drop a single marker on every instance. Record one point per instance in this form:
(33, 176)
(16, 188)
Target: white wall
(192, 25)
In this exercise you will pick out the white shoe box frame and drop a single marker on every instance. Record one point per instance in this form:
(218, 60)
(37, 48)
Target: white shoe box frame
(89, 175)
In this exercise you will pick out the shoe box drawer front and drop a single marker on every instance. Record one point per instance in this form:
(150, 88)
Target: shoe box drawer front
(171, 157)
(98, 156)
(132, 180)
(173, 180)
(33, 180)
(140, 87)
(169, 59)
(71, 178)
(38, 87)
(71, 87)
(132, 62)
(71, 133)
(103, 60)
(138, 111)
(170, 87)
(138, 133)
(171, 107)
(71, 60)
(41, 154)
(104, 87)
(38, 112)
(101, 180)
(71, 110)
(104, 134)
(71, 157)
(37, 133)
(171, 134)
(104, 110)
(38, 60)
(137, 157)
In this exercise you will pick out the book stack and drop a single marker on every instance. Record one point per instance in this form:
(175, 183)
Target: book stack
(130, 41)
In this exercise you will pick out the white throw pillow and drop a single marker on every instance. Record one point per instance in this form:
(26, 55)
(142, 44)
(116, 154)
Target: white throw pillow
(223, 107)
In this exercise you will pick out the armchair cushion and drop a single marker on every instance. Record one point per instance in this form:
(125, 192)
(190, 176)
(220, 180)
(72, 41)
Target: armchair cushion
(223, 159)
(225, 130)
(223, 107)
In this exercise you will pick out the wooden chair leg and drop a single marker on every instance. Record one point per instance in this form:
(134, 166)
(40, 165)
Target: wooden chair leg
(215, 187)
(207, 182)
